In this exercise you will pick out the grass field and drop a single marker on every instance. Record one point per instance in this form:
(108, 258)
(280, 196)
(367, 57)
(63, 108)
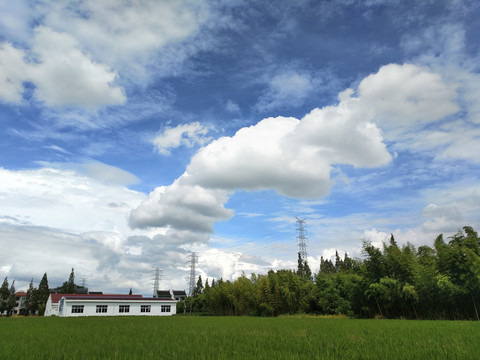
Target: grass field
(243, 338)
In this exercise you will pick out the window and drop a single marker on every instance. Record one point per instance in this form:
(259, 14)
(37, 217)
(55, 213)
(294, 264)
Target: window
(145, 308)
(124, 308)
(77, 309)
(102, 308)
(166, 308)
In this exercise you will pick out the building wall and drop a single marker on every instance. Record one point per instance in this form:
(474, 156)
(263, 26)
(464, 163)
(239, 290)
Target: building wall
(49, 309)
(19, 307)
(113, 308)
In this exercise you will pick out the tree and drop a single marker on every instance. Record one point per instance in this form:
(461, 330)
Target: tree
(199, 287)
(68, 287)
(307, 272)
(326, 266)
(31, 300)
(4, 295)
(338, 262)
(130, 292)
(300, 269)
(71, 283)
(43, 294)
(374, 262)
(303, 270)
(11, 299)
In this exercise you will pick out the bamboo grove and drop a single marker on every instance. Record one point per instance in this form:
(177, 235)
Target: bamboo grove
(432, 282)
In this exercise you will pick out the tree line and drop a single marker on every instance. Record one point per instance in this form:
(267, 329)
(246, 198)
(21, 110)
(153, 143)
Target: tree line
(432, 282)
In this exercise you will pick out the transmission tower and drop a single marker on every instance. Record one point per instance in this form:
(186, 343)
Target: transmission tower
(301, 238)
(156, 281)
(193, 264)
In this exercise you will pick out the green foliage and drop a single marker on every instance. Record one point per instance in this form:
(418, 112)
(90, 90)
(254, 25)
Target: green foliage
(11, 298)
(442, 282)
(303, 270)
(199, 287)
(4, 295)
(68, 287)
(43, 293)
(31, 301)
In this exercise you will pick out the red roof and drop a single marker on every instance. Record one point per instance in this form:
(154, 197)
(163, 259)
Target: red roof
(56, 297)
(20, 293)
(113, 297)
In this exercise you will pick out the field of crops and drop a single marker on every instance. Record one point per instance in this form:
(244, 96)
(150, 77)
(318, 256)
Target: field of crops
(243, 338)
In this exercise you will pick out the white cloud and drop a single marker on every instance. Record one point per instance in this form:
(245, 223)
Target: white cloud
(12, 73)
(104, 259)
(291, 156)
(406, 96)
(74, 201)
(375, 237)
(80, 216)
(186, 134)
(66, 76)
(183, 208)
(232, 107)
(443, 48)
(62, 73)
(108, 174)
(287, 89)
(78, 49)
(126, 34)
(17, 24)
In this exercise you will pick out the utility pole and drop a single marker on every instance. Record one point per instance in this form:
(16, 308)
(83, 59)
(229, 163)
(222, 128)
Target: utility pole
(301, 238)
(156, 281)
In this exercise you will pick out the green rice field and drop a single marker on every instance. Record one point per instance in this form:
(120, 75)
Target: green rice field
(198, 337)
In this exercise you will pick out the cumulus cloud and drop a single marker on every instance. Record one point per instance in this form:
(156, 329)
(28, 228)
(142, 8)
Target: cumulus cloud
(295, 157)
(187, 135)
(403, 96)
(66, 76)
(62, 73)
(183, 208)
(375, 237)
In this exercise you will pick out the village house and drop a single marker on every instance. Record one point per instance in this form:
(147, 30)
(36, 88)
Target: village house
(179, 295)
(74, 305)
(20, 299)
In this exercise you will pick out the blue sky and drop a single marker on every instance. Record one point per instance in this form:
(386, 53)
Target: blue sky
(136, 132)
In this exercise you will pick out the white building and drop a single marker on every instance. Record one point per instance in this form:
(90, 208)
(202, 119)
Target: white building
(20, 300)
(70, 305)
